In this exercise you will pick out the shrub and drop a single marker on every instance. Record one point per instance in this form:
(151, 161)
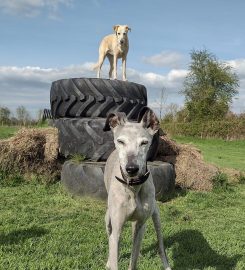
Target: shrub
(220, 181)
(78, 158)
(231, 129)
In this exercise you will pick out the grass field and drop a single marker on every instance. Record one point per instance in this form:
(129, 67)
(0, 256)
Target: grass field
(42, 227)
(226, 154)
(6, 131)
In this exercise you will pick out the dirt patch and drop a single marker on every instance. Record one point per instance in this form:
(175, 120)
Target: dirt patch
(31, 150)
(192, 171)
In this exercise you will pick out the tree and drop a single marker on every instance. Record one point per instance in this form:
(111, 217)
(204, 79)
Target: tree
(4, 115)
(23, 115)
(39, 115)
(171, 112)
(208, 87)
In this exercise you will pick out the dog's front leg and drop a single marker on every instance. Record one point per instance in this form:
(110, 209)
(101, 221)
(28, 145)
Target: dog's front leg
(138, 232)
(115, 66)
(116, 221)
(124, 68)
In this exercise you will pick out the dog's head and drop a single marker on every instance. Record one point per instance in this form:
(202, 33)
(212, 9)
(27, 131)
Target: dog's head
(121, 32)
(132, 140)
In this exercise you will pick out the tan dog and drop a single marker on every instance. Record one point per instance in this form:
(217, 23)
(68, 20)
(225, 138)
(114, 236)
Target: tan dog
(114, 46)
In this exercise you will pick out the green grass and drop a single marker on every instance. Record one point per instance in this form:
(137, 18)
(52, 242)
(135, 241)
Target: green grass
(42, 227)
(7, 131)
(226, 154)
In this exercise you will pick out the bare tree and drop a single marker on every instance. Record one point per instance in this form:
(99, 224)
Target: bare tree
(23, 115)
(162, 101)
(171, 112)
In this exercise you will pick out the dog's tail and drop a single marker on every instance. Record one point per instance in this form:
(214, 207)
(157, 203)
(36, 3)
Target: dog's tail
(95, 66)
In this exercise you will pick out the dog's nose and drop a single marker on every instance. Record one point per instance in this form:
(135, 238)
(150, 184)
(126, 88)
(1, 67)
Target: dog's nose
(132, 169)
(121, 41)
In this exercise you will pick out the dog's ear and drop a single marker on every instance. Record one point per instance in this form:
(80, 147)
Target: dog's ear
(128, 28)
(115, 27)
(141, 113)
(114, 119)
(149, 120)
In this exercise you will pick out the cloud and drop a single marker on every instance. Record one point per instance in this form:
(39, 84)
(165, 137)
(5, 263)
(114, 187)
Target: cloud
(33, 8)
(239, 68)
(30, 86)
(172, 80)
(165, 59)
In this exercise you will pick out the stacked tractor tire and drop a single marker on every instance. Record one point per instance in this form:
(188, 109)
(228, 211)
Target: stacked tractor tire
(79, 107)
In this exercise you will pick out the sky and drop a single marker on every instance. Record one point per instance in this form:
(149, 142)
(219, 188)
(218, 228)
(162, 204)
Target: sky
(42, 41)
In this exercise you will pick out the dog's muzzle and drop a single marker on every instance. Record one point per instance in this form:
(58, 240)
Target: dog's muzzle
(134, 181)
(132, 170)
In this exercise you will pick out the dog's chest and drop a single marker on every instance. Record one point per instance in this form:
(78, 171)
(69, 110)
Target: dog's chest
(119, 51)
(138, 208)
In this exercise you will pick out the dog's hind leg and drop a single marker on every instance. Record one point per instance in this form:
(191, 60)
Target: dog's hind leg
(138, 232)
(157, 225)
(100, 62)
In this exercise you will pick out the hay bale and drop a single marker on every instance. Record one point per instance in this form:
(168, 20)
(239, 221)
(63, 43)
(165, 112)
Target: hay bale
(31, 150)
(167, 147)
(51, 150)
(36, 151)
(233, 174)
(192, 171)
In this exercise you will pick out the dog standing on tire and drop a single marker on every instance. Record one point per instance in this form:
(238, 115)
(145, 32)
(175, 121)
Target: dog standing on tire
(113, 47)
(129, 184)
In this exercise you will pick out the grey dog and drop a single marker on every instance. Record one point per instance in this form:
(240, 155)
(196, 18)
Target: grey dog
(131, 192)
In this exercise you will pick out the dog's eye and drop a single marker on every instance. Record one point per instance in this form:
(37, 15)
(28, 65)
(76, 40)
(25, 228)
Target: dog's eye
(121, 142)
(144, 142)
(118, 34)
(124, 34)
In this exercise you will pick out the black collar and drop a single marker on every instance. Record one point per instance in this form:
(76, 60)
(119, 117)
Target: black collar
(133, 182)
